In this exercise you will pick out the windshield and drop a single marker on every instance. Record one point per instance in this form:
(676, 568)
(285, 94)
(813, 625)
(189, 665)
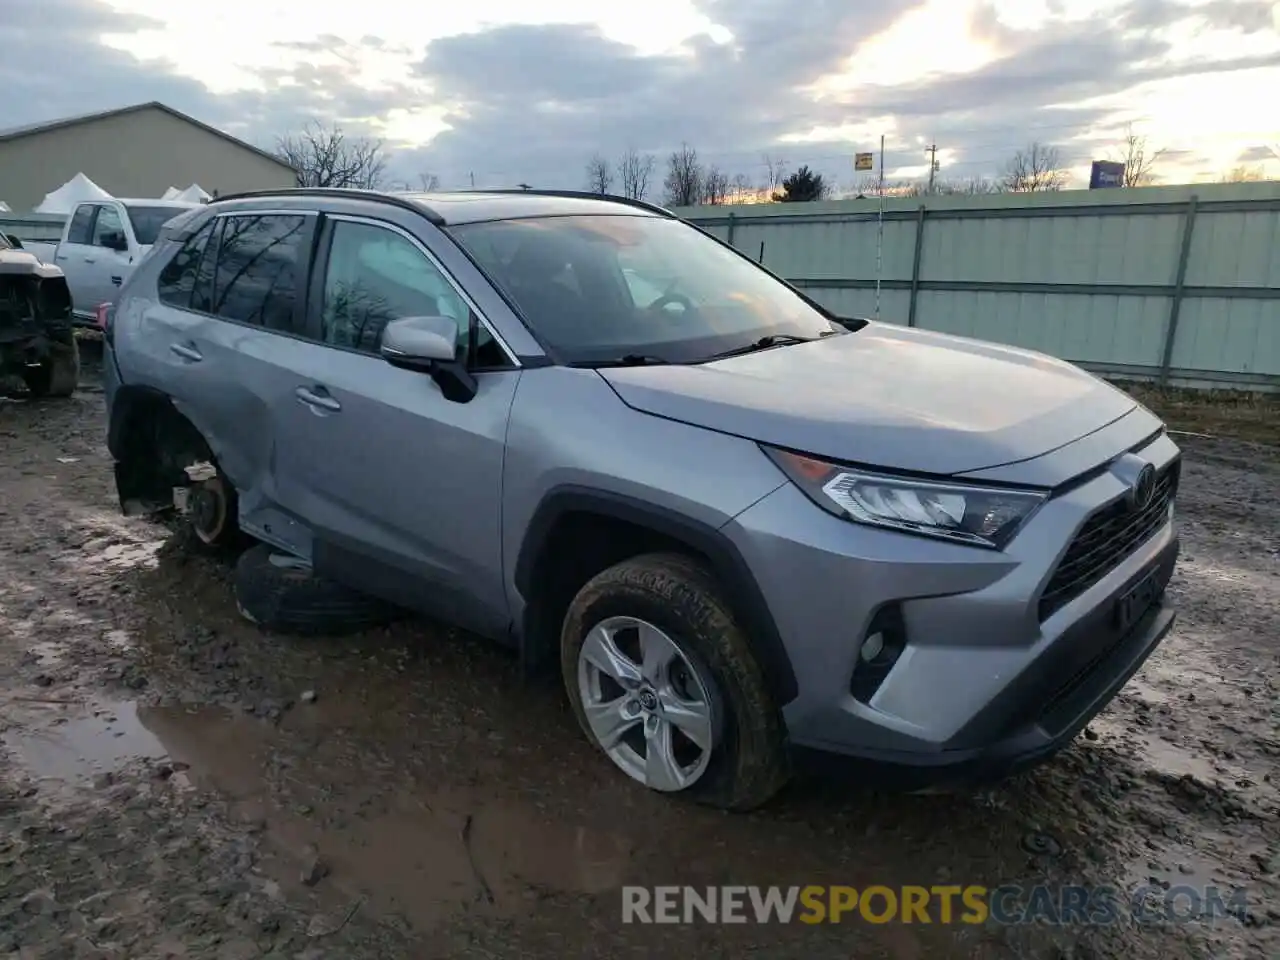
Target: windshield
(597, 288)
(147, 221)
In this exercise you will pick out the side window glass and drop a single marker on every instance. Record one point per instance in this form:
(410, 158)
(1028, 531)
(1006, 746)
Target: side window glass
(375, 276)
(108, 229)
(81, 230)
(259, 259)
(206, 270)
(178, 278)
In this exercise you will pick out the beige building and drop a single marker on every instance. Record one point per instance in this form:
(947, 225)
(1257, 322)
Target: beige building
(137, 151)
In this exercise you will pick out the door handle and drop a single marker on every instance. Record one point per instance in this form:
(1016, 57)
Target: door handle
(117, 280)
(186, 353)
(317, 398)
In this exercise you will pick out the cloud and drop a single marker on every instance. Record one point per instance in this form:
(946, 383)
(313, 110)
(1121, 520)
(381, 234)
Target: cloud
(531, 102)
(1255, 155)
(54, 65)
(524, 99)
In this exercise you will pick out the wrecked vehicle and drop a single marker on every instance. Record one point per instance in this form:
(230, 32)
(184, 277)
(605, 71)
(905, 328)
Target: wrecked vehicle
(746, 530)
(37, 340)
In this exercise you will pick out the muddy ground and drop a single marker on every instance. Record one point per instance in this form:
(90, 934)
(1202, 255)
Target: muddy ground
(173, 783)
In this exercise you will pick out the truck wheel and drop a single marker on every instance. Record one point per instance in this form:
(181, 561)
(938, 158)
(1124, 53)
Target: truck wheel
(59, 373)
(663, 680)
(280, 593)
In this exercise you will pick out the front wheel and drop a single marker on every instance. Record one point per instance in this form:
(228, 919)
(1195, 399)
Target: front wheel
(664, 681)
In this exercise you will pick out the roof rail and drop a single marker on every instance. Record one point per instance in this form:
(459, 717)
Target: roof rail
(584, 195)
(337, 193)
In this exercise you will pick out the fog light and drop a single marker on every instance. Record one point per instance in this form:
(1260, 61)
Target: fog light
(882, 645)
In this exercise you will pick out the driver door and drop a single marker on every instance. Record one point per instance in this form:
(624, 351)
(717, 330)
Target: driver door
(399, 487)
(104, 263)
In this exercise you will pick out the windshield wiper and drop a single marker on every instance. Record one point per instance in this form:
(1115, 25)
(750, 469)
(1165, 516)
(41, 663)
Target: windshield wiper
(772, 340)
(626, 360)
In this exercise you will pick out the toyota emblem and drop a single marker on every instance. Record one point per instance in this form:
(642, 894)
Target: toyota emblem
(1144, 488)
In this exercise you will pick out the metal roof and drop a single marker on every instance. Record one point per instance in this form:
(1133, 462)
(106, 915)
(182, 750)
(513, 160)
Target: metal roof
(14, 133)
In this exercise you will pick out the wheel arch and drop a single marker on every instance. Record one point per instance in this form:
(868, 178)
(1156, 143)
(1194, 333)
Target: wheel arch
(599, 528)
(151, 442)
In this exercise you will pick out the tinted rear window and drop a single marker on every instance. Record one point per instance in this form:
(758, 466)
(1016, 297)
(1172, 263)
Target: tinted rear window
(147, 221)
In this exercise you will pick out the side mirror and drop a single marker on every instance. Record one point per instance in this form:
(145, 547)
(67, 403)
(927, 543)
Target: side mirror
(115, 241)
(13, 241)
(429, 345)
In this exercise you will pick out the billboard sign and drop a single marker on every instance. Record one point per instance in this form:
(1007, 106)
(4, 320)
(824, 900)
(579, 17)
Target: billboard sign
(864, 161)
(1106, 173)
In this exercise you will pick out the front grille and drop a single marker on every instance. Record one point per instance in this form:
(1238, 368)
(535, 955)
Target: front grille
(1104, 541)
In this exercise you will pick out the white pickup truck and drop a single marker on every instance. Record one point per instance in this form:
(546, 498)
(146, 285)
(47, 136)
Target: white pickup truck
(102, 243)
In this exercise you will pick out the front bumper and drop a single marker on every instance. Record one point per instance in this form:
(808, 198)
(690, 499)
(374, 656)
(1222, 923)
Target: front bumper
(983, 685)
(1052, 715)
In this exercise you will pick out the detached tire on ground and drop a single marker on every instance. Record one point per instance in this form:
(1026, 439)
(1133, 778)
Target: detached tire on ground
(658, 670)
(58, 374)
(278, 593)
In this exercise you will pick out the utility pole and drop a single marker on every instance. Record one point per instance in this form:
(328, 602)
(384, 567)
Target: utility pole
(932, 151)
(880, 229)
(473, 181)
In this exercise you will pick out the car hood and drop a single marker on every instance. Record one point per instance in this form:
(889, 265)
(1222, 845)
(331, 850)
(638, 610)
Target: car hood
(886, 396)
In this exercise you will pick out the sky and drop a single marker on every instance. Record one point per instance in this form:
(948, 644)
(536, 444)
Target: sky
(502, 92)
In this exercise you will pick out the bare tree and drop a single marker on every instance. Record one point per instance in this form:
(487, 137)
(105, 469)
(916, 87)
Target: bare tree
(683, 181)
(1244, 174)
(599, 175)
(715, 186)
(775, 173)
(428, 182)
(635, 170)
(742, 188)
(972, 187)
(328, 157)
(1138, 159)
(1035, 169)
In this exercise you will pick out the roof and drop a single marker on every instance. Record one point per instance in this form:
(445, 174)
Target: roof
(153, 202)
(14, 133)
(473, 206)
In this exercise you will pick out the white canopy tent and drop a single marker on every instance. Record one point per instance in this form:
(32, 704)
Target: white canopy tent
(194, 194)
(79, 189)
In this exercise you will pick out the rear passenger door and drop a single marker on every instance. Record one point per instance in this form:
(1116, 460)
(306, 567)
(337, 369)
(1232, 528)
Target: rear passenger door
(401, 487)
(225, 329)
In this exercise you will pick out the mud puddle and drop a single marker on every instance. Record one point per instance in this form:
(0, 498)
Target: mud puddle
(423, 856)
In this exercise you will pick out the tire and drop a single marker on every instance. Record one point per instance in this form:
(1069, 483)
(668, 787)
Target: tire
(279, 594)
(58, 374)
(747, 763)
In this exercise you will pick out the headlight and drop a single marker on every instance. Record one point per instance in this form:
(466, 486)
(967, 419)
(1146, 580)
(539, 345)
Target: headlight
(983, 516)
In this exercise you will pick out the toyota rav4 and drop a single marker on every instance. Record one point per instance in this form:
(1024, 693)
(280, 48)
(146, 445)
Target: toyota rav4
(747, 529)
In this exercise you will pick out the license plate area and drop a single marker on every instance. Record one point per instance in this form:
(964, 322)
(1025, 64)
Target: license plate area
(1137, 600)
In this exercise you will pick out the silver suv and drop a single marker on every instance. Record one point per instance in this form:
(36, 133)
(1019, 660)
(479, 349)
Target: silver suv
(749, 530)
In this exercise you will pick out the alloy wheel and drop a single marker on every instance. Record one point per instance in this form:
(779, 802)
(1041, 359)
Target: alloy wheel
(647, 704)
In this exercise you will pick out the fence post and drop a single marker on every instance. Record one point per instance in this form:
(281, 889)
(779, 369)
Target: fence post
(915, 266)
(1179, 282)
(733, 221)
